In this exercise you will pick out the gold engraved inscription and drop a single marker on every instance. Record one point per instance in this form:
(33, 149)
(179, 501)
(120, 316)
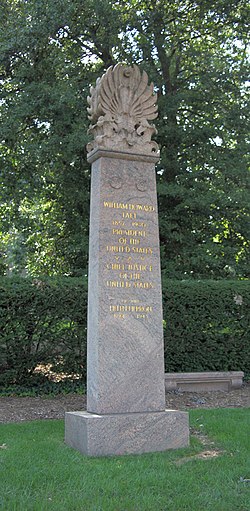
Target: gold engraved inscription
(126, 249)
(130, 308)
(139, 224)
(130, 276)
(142, 250)
(140, 311)
(119, 223)
(137, 267)
(115, 266)
(130, 234)
(130, 216)
(118, 283)
(116, 249)
(143, 285)
(148, 208)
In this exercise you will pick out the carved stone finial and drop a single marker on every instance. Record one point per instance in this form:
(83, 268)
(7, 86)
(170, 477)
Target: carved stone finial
(120, 106)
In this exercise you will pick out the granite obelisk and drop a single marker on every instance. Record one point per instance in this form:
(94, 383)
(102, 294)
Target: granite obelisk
(125, 358)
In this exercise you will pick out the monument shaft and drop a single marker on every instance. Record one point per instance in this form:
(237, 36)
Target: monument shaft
(125, 355)
(125, 339)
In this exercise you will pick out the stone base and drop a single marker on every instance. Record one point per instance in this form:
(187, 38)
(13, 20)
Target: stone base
(132, 433)
(204, 381)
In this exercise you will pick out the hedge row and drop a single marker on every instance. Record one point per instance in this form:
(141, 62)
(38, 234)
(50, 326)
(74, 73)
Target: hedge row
(207, 325)
(44, 321)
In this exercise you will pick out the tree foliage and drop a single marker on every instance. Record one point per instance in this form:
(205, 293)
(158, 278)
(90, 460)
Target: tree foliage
(196, 54)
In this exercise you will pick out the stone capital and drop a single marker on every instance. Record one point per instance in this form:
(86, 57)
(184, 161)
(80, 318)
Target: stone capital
(97, 153)
(120, 108)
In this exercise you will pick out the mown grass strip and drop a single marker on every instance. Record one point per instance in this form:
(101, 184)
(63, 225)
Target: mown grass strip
(39, 472)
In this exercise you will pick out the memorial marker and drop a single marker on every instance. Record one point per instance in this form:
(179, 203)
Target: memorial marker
(125, 357)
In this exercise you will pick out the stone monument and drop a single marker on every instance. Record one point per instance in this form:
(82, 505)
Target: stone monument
(125, 358)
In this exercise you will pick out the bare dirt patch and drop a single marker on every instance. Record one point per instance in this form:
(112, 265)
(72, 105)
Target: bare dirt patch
(204, 455)
(239, 398)
(18, 409)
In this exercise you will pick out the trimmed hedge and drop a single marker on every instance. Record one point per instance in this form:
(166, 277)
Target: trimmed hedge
(207, 325)
(44, 321)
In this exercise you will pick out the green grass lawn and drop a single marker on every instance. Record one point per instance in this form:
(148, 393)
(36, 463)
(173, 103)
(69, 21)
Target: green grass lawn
(39, 472)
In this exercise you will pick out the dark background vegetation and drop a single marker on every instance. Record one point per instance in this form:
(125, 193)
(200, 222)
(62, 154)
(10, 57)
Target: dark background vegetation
(195, 52)
(43, 321)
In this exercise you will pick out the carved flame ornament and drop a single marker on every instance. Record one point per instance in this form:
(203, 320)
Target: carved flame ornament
(120, 106)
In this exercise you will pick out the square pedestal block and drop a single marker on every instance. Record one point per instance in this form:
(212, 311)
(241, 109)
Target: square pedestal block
(129, 433)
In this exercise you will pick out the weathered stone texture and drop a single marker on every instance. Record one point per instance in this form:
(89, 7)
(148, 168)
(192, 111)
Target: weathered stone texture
(125, 356)
(106, 435)
(125, 339)
(120, 106)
